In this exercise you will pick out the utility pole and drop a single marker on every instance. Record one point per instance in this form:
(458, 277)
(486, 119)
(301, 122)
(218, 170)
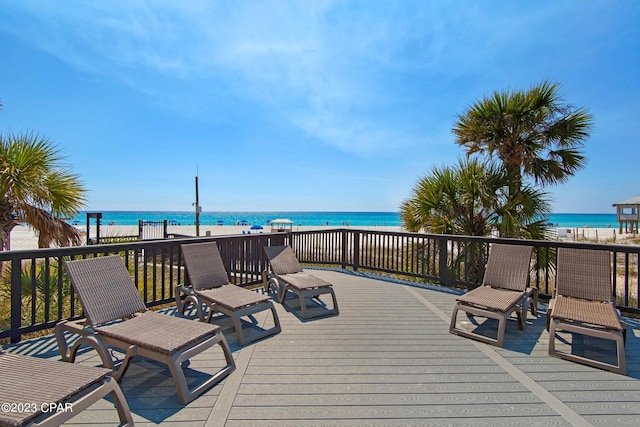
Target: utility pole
(198, 209)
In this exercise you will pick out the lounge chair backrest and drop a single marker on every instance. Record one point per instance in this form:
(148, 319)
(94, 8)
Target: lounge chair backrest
(105, 288)
(584, 273)
(282, 260)
(204, 265)
(508, 267)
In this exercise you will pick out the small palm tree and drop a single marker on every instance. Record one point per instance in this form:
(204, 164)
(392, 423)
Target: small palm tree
(532, 133)
(473, 199)
(37, 190)
(39, 288)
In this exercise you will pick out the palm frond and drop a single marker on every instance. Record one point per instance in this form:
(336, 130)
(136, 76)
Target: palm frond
(37, 189)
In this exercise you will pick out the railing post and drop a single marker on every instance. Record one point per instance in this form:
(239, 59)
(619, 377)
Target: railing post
(442, 261)
(356, 250)
(345, 250)
(16, 299)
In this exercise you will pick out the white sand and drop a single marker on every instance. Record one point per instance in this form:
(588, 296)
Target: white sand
(602, 235)
(24, 238)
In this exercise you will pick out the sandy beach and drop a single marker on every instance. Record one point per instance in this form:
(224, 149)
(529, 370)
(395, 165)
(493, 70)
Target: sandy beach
(23, 237)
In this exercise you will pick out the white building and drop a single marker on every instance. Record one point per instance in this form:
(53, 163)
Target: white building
(628, 213)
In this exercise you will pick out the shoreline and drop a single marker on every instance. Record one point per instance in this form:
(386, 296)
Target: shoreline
(23, 238)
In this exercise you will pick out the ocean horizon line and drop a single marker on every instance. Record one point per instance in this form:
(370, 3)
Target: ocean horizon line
(312, 218)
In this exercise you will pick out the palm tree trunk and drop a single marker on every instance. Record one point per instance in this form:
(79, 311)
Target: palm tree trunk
(7, 223)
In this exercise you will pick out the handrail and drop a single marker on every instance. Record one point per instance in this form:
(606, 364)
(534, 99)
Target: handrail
(35, 293)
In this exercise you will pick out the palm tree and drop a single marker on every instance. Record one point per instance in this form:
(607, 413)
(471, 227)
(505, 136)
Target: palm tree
(37, 190)
(472, 198)
(533, 133)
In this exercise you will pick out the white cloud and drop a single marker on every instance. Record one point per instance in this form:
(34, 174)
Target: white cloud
(339, 71)
(306, 63)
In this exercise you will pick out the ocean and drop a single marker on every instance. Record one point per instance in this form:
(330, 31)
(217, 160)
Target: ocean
(335, 219)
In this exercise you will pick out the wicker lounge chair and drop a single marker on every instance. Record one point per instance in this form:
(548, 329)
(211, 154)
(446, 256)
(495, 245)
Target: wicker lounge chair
(209, 284)
(49, 393)
(503, 291)
(107, 294)
(287, 275)
(584, 304)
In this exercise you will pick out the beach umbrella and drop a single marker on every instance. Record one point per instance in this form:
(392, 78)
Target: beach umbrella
(256, 227)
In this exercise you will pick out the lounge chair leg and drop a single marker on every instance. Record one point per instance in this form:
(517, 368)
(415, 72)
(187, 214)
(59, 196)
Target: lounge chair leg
(315, 294)
(69, 354)
(108, 386)
(500, 317)
(551, 327)
(534, 297)
(177, 292)
(282, 292)
(174, 363)
(98, 345)
(265, 281)
(556, 325)
(63, 346)
(276, 319)
(454, 320)
(335, 302)
(622, 363)
(237, 325)
(501, 329)
(196, 303)
(549, 312)
(211, 311)
(521, 312)
(303, 306)
(122, 369)
(278, 288)
(124, 413)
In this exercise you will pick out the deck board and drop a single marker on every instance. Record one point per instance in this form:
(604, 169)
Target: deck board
(387, 359)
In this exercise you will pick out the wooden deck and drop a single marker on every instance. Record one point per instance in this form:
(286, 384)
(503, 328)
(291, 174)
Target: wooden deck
(387, 359)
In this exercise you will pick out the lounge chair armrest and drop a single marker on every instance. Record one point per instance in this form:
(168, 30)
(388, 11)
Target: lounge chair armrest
(87, 336)
(180, 291)
(188, 290)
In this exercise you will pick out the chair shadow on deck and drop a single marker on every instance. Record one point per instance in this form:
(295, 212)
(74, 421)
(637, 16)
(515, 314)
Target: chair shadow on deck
(314, 306)
(604, 350)
(225, 323)
(521, 341)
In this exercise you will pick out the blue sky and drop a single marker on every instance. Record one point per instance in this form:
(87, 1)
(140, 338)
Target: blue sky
(306, 105)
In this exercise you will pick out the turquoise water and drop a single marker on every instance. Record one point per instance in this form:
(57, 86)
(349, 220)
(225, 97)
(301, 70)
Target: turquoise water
(334, 219)
(573, 220)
